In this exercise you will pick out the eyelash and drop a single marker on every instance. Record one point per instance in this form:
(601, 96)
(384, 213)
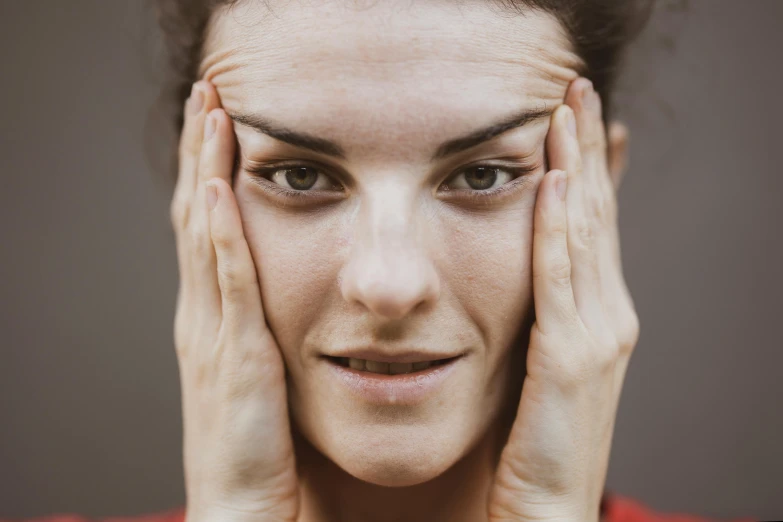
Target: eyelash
(478, 197)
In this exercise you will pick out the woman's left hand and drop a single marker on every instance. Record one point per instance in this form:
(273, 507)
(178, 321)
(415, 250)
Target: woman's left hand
(553, 467)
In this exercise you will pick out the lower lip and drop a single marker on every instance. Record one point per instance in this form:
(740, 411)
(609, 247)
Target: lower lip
(401, 389)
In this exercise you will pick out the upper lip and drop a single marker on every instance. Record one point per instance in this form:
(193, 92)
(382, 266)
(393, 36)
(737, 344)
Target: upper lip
(395, 356)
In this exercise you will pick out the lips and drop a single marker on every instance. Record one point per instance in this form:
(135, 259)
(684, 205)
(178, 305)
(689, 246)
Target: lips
(398, 355)
(408, 380)
(387, 368)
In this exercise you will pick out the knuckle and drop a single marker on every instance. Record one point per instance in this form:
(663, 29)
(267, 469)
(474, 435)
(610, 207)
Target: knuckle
(602, 209)
(199, 237)
(606, 354)
(178, 212)
(628, 335)
(188, 147)
(234, 279)
(203, 372)
(223, 239)
(560, 270)
(598, 207)
(557, 228)
(593, 141)
(583, 234)
(588, 360)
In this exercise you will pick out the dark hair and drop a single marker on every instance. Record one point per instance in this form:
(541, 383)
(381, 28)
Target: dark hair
(599, 31)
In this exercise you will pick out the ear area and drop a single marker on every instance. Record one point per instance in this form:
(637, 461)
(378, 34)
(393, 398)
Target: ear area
(618, 152)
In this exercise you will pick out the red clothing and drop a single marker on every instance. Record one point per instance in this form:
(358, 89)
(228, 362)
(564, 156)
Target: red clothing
(614, 508)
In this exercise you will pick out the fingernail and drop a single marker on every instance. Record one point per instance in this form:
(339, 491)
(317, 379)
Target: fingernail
(196, 99)
(209, 127)
(211, 196)
(571, 122)
(587, 95)
(561, 183)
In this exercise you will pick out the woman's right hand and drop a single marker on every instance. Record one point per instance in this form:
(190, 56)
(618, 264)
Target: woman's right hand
(238, 452)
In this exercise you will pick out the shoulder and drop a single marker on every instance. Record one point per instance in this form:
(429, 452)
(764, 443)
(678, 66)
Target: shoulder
(617, 508)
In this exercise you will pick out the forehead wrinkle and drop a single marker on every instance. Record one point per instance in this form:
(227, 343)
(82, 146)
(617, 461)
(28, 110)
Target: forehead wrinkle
(297, 40)
(527, 72)
(323, 86)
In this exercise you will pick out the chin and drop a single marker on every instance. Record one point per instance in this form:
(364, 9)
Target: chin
(391, 452)
(394, 462)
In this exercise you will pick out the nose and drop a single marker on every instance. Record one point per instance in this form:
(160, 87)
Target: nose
(389, 271)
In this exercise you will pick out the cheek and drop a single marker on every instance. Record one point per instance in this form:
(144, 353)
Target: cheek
(297, 266)
(489, 271)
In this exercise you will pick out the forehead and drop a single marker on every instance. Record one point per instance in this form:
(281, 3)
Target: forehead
(333, 63)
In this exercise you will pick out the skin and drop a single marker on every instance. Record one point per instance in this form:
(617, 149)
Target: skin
(383, 255)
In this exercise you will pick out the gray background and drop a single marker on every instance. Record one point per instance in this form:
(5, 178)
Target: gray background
(89, 392)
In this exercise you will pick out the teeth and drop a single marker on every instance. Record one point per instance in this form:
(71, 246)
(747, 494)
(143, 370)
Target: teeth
(377, 367)
(397, 368)
(385, 368)
(356, 364)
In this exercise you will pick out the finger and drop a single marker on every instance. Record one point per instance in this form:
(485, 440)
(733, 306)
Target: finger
(603, 202)
(619, 313)
(180, 201)
(186, 164)
(178, 215)
(586, 104)
(253, 364)
(618, 305)
(552, 291)
(215, 161)
(237, 277)
(203, 98)
(563, 151)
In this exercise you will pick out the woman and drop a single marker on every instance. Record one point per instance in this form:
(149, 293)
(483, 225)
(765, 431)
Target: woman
(396, 228)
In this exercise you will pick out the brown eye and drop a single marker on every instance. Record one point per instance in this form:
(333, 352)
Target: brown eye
(301, 178)
(485, 178)
(481, 178)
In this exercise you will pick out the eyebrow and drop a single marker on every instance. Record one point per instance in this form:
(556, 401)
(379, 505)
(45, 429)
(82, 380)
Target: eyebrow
(449, 148)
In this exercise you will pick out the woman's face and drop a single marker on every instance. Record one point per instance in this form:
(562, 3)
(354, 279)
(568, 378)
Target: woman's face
(375, 230)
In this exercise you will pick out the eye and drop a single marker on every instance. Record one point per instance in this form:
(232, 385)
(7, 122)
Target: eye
(481, 177)
(488, 184)
(299, 177)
